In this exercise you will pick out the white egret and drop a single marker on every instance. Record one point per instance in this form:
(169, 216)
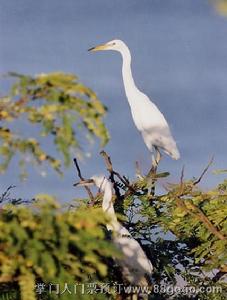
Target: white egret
(147, 117)
(136, 267)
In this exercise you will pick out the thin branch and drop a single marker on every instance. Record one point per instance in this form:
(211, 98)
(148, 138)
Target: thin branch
(82, 178)
(182, 176)
(204, 219)
(204, 171)
(107, 161)
(6, 194)
(109, 167)
(200, 215)
(181, 191)
(78, 169)
(112, 172)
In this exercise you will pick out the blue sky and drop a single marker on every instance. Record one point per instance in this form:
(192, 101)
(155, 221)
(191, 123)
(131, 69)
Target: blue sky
(179, 58)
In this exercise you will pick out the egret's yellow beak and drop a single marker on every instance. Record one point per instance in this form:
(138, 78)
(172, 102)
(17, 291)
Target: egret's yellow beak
(98, 48)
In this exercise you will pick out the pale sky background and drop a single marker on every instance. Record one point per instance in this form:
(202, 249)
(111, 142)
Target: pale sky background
(179, 58)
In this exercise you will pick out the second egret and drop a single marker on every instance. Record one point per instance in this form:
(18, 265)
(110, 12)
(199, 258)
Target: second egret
(136, 267)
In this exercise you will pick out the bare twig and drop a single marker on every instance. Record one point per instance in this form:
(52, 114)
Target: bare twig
(112, 172)
(6, 193)
(78, 169)
(109, 167)
(107, 161)
(182, 176)
(82, 178)
(204, 171)
(181, 193)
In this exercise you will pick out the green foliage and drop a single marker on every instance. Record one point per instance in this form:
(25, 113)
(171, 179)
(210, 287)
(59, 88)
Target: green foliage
(190, 213)
(184, 231)
(60, 106)
(48, 243)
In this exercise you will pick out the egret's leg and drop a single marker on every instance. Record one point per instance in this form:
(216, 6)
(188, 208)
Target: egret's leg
(138, 171)
(153, 161)
(158, 156)
(156, 159)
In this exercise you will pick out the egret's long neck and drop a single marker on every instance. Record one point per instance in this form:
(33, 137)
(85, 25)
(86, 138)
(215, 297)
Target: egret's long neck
(108, 208)
(129, 84)
(107, 205)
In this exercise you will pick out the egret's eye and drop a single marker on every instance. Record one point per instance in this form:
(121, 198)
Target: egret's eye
(114, 44)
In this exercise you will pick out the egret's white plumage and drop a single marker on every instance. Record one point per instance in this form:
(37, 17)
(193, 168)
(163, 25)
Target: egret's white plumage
(147, 117)
(136, 267)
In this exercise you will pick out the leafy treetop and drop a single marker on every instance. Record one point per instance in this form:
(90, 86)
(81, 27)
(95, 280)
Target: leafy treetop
(60, 105)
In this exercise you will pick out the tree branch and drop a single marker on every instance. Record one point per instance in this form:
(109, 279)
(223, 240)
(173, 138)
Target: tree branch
(204, 171)
(82, 178)
(109, 167)
(199, 214)
(204, 219)
(6, 193)
(112, 172)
